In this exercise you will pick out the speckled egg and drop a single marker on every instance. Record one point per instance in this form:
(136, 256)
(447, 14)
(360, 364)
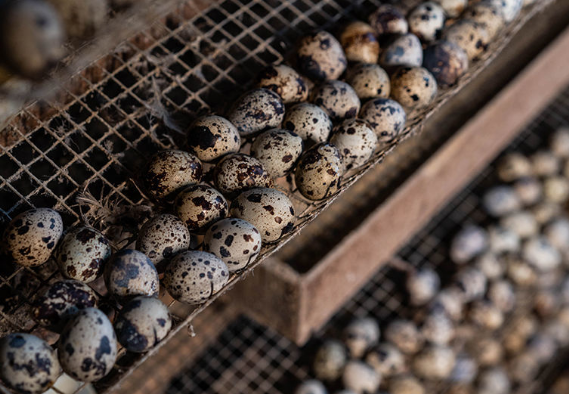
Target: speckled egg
(170, 170)
(406, 384)
(472, 37)
(448, 301)
(501, 200)
(453, 8)
(320, 56)
(269, 210)
(557, 233)
(87, 347)
(329, 360)
(465, 370)
(386, 359)
(510, 8)
(239, 172)
(545, 163)
(413, 87)
(434, 362)
(199, 206)
(556, 189)
(278, 150)
(521, 273)
(446, 61)
(257, 110)
(405, 50)
(472, 284)
(142, 323)
(360, 335)
(488, 15)
(356, 142)
(235, 241)
(131, 273)
(319, 171)
(529, 191)
(309, 122)
(82, 254)
(212, 137)
(503, 240)
(359, 43)
(388, 19)
(486, 315)
(468, 243)
(82, 19)
(438, 329)
(522, 223)
(311, 387)
(487, 351)
(541, 254)
(490, 265)
(546, 302)
(31, 237)
(161, 237)
(422, 285)
(360, 378)
(501, 293)
(513, 166)
(338, 99)
(426, 21)
(369, 81)
(61, 301)
(28, 365)
(284, 81)
(387, 119)
(559, 142)
(493, 381)
(405, 335)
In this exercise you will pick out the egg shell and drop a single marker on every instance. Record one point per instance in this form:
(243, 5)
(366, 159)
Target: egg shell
(269, 210)
(468, 243)
(388, 19)
(422, 285)
(87, 347)
(406, 384)
(338, 99)
(472, 37)
(434, 362)
(161, 237)
(239, 172)
(426, 21)
(329, 360)
(278, 150)
(130, 273)
(31, 237)
(309, 122)
(387, 119)
(446, 61)
(61, 301)
(168, 171)
(311, 387)
(369, 81)
(319, 171)
(320, 56)
(513, 166)
(212, 137)
(28, 365)
(355, 141)
(257, 110)
(405, 50)
(360, 378)
(453, 8)
(404, 335)
(284, 81)
(82, 254)
(235, 241)
(359, 43)
(199, 206)
(510, 8)
(413, 87)
(360, 335)
(386, 359)
(501, 200)
(472, 283)
(142, 323)
(493, 381)
(488, 15)
(192, 277)
(82, 19)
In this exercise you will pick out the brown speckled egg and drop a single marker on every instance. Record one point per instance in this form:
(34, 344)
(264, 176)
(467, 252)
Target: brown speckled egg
(320, 56)
(194, 276)
(426, 21)
(257, 110)
(239, 172)
(235, 241)
(212, 137)
(28, 365)
(131, 273)
(284, 81)
(309, 122)
(269, 210)
(356, 142)
(31, 237)
(453, 8)
(199, 206)
(388, 19)
(369, 81)
(386, 117)
(170, 170)
(338, 99)
(82, 19)
(510, 8)
(278, 150)
(405, 335)
(142, 323)
(87, 347)
(446, 61)
(472, 37)
(405, 50)
(359, 377)
(163, 236)
(61, 301)
(319, 171)
(359, 43)
(413, 87)
(488, 15)
(435, 362)
(82, 254)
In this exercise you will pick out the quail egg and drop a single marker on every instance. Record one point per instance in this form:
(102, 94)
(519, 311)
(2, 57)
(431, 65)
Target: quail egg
(338, 99)
(269, 210)
(212, 137)
(490, 265)
(486, 315)
(386, 359)
(278, 150)
(257, 110)
(472, 37)
(434, 362)
(529, 190)
(405, 50)
(557, 233)
(284, 81)
(319, 171)
(170, 170)
(519, 331)
(468, 243)
(28, 365)
(31, 237)
(130, 273)
(541, 254)
(422, 285)
(521, 273)
(438, 329)
(413, 87)
(311, 387)
(523, 368)
(493, 381)
(142, 323)
(239, 172)
(330, 360)
(449, 302)
(487, 351)
(236, 242)
(465, 370)
(510, 8)
(546, 211)
(387, 119)
(82, 254)
(559, 142)
(320, 56)
(359, 43)
(453, 8)
(407, 384)
(194, 276)
(472, 283)
(308, 121)
(501, 200)
(61, 301)
(388, 19)
(556, 189)
(360, 335)
(545, 163)
(82, 19)
(426, 21)
(360, 378)
(522, 223)
(503, 240)
(542, 348)
(513, 167)
(546, 303)
(501, 294)
(446, 61)
(199, 206)
(355, 141)
(369, 81)
(405, 335)
(488, 15)
(162, 236)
